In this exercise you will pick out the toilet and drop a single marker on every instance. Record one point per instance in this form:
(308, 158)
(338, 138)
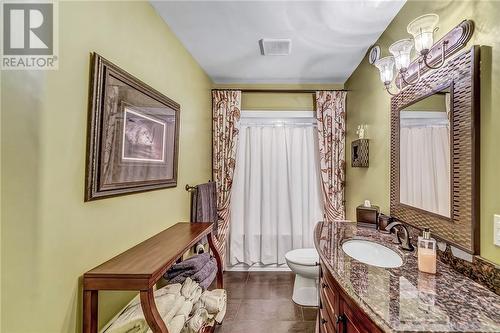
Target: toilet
(305, 264)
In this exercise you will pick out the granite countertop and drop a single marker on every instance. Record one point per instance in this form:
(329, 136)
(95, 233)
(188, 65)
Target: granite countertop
(403, 299)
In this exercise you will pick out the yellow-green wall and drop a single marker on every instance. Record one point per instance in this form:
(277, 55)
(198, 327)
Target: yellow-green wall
(279, 101)
(50, 237)
(368, 103)
(433, 103)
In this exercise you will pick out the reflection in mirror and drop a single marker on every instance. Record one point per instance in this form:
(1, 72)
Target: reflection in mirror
(425, 154)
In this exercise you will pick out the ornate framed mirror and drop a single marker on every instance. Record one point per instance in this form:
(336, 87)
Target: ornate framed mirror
(435, 152)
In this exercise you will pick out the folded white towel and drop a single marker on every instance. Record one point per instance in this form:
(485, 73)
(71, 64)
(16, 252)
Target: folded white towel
(197, 321)
(219, 317)
(191, 290)
(169, 289)
(133, 326)
(185, 310)
(188, 287)
(175, 303)
(213, 300)
(133, 314)
(127, 320)
(176, 324)
(196, 295)
(172, 310)
(174, 317)
(172, 289)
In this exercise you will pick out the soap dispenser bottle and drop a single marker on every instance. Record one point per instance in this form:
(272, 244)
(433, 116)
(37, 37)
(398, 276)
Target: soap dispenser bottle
(427, 252)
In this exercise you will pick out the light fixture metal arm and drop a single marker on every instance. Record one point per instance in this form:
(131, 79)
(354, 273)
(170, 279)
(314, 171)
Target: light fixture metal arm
(402, 75)
(443, 57)
(388, 88)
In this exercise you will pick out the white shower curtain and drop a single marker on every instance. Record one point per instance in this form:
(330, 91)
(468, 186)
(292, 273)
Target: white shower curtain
(276, 199)
(425, 163)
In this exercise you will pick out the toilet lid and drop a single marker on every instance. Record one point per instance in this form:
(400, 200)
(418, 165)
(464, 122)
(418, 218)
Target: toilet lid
(306, 257)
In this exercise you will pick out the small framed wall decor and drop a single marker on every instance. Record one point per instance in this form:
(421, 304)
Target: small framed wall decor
(133, 134)
(360, 153)
(374, 54)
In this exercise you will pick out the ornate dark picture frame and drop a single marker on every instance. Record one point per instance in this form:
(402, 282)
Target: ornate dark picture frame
(132, 134)
(461, 74)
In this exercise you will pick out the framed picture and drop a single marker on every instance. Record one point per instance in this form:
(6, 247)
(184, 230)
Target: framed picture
(133, 134)
(374, 54)
(360, 153)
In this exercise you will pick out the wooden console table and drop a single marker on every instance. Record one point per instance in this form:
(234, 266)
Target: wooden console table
(141, 267)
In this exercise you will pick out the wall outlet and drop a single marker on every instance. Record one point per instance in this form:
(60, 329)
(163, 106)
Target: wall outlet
(496, 229)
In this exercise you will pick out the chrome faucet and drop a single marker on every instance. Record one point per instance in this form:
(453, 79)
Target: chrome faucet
(405, 242)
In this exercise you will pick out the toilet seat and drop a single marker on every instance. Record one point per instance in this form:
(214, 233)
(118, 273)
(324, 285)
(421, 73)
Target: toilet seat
(304, 257)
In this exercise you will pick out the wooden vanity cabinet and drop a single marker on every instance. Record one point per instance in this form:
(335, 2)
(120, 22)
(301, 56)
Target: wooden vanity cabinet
(337, 312)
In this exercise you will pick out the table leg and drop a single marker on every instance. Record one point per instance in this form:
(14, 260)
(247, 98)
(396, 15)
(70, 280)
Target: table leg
(90, 311)
(151, 313)
(215, 252)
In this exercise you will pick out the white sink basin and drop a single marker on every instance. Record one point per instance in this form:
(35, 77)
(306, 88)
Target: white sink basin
(372, 253)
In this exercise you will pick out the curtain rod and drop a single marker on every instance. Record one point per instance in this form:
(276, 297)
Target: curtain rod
(287, 91)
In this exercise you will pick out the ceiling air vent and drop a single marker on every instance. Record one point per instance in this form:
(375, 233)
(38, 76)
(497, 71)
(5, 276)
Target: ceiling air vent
(275, 47)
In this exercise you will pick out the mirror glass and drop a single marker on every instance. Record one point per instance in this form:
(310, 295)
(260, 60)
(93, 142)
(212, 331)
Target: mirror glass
(424, 154)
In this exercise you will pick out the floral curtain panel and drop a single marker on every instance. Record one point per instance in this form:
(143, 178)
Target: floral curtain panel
(226, 106)
(330, 113)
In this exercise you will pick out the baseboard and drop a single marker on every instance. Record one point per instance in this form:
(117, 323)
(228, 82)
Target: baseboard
(258, 268)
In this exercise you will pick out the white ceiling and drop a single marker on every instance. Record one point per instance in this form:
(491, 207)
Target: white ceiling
(329, 38)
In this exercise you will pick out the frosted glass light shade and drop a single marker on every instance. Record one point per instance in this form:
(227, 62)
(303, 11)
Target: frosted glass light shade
(401, 50)
(422, 29)
(386, 67)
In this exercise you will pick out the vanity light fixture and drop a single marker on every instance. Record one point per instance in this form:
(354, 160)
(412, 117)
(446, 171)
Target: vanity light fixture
(401, 51)
(386, 67)
(422, 29)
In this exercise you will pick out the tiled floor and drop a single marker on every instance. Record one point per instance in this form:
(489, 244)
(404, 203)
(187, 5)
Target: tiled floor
(262, 302)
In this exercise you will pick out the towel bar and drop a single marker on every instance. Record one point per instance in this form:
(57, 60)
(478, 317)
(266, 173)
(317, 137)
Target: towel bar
(191, 188)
